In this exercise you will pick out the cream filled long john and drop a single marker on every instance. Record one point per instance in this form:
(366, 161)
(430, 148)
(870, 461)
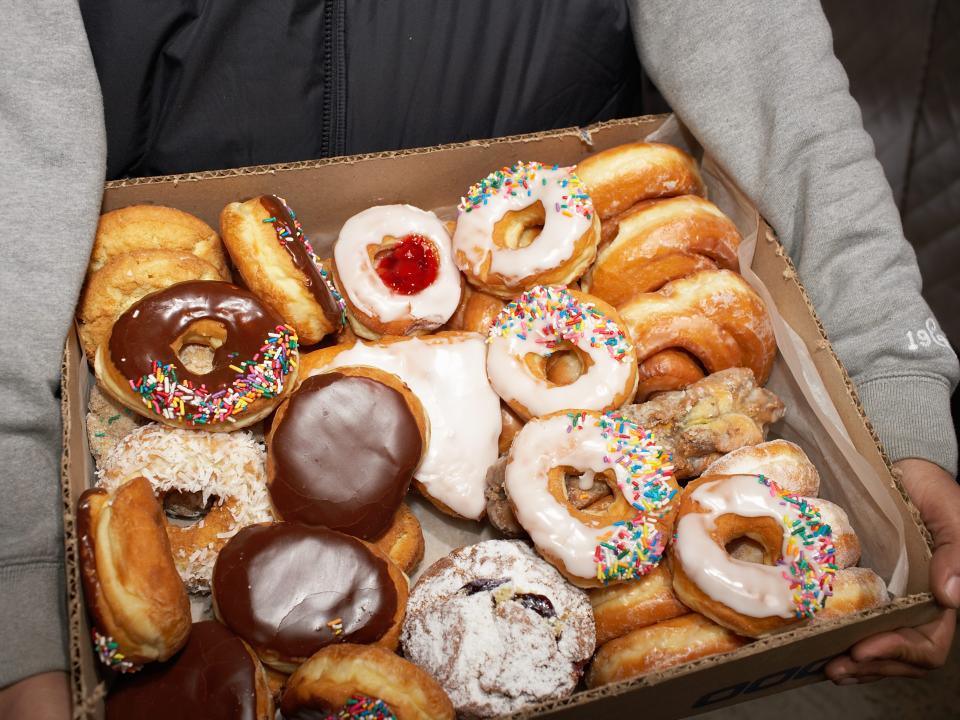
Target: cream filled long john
(447, 372)
(433, 305)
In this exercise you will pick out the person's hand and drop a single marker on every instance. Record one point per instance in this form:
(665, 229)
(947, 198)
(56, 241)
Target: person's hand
(910, 652)
(39, 697)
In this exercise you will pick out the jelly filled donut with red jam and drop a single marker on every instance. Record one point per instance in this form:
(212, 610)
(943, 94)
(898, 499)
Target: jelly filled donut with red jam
(290, 590)
(254, 360)
(395, 265)
(215, 677)
(278, 263)
(342, 451)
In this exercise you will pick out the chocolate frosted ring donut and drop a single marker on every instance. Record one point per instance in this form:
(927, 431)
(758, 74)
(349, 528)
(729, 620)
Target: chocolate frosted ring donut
(342, 451)
(290, 590)
(254, 363)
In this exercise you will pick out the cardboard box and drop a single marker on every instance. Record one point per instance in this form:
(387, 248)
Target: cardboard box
(327, 192)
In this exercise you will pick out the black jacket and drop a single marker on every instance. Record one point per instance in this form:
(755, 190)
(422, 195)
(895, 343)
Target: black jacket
(202, 84)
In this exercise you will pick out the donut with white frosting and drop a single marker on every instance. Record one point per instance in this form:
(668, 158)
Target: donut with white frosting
(395, 266)
(539, 327)
(447, 373)
(753, 599)
(524, 225)
(620, 538)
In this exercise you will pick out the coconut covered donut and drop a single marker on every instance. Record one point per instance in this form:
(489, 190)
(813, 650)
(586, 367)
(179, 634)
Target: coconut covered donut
(395, 265)
(338, 673)
(137, 604)
(546, 322)
(622, 538)
(525, 225)
(498, 628)
(750, 598)
(277, 262)
(218, 480)
(254, 363)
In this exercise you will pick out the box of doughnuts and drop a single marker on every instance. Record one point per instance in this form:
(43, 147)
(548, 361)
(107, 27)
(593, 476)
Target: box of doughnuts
(539, 426)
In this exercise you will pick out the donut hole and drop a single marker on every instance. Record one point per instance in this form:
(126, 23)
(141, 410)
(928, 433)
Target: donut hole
(186, 507)
(751, 540)
(198, 359)
(196, 347)
(565, 364)
(519, 228)
(592, 498)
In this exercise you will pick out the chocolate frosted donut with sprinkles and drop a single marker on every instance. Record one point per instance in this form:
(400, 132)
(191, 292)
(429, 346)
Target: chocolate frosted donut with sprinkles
(254, 364)
(544, 325)
(525, 225)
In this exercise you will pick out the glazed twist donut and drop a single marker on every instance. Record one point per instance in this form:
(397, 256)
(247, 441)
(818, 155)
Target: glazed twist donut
(751, 599)
(621, 539)
(712, 315)
(336, 673)
(138, 605)
(660, 241)
(622, 176)
(395, 265)
(542, 324)
(277, 262)
(254, 364)
(525, 225)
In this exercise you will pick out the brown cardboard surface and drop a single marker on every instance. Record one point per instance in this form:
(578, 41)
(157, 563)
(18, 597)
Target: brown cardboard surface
(325, 194)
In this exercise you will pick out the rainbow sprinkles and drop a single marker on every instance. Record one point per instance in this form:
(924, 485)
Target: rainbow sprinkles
(520, 179)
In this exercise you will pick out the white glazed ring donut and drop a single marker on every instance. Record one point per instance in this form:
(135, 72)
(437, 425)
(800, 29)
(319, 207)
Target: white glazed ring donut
(622, 541)
(547, 320)
(396, 267)
(525, 225)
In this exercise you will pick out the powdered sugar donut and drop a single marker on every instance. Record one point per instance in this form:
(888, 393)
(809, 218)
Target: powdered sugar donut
(542, 324)
(498, 628)
(217, 477)
(525, 225)
(752, 599)
(396, 267)
(622, 539)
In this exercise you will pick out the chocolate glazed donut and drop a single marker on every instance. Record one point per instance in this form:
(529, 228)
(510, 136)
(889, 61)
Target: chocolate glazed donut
(342, 453)
(289, 590)
(215, 677)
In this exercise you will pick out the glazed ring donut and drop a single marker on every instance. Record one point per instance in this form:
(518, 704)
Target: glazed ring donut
(139, 608)
(622, 539)
(667, 371)
(476, 313)
(338, 589)
(156, 227)
(622, 176)
(254, 365)
(661, 241)
(277, 262)
(782, 461)
(545, 323)
(712, 315)
(395, 265)
(447, 372)
(357, 422)
(525, 225)
(216, 674)
(752, 599)
(624, 607)
(329, 679)
(126, 279)
(655, 648)
(403, 541)
(218, 480)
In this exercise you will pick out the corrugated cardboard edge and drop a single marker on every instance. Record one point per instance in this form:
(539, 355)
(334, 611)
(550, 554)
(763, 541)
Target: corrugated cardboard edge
(583, 133)
(824, 344)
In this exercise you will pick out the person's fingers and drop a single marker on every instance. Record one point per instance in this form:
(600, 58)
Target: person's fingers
(39, 697)
(925, 646)
(846, 671)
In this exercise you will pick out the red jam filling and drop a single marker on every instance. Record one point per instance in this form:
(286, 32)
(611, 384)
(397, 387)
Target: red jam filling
(409, 266)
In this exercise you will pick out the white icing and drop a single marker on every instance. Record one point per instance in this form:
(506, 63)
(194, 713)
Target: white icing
(540, 446)
(748, 588)
(434, 304)
(448, 376)
(554, 246)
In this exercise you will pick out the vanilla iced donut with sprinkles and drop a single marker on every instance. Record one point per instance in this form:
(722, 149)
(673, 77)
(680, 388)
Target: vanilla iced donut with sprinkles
(525, 225)
(544, 323)
(752, 599)
(618, 539)
(395, 265)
